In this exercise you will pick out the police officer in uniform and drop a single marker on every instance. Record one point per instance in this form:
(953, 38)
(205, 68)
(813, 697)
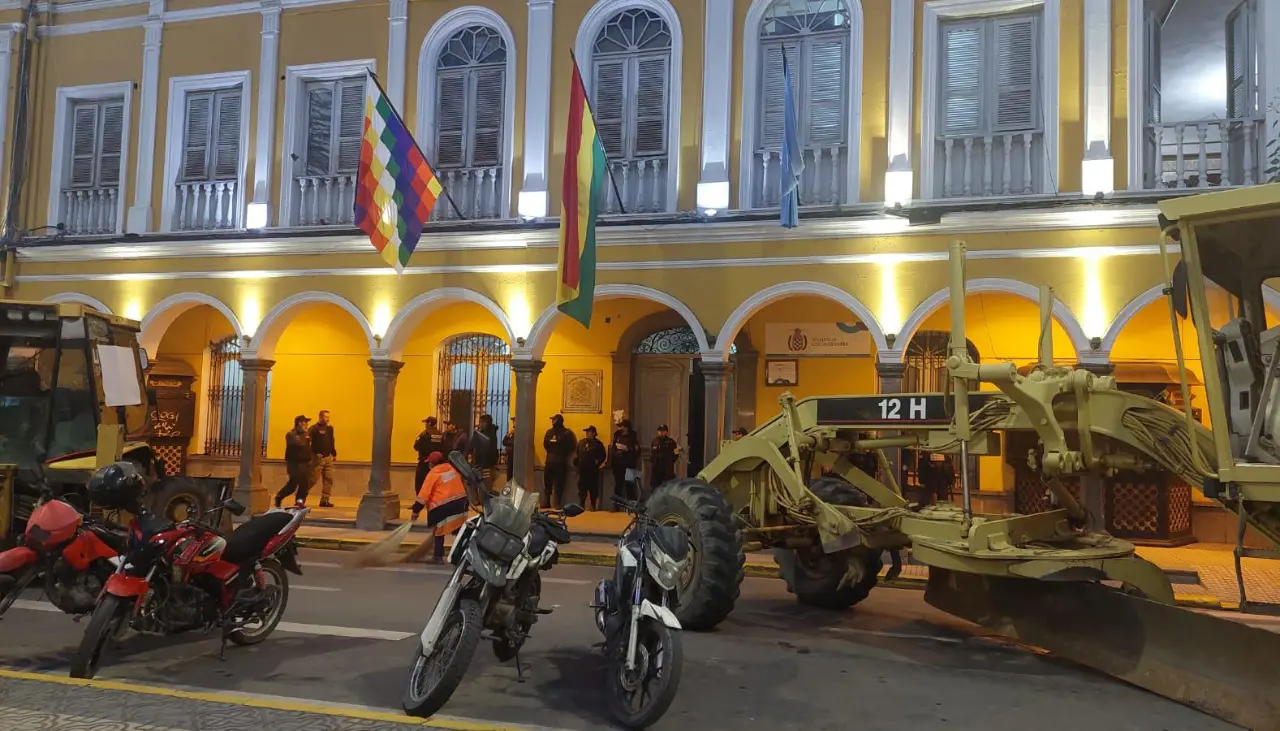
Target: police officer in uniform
(665, 452)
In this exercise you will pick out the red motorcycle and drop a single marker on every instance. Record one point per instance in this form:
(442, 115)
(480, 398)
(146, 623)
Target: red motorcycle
(186, 576)
(71, 555)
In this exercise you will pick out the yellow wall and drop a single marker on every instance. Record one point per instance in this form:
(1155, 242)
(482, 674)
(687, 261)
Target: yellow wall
(1004, 327)
(322, 363)
(817, 376)
(417, 385)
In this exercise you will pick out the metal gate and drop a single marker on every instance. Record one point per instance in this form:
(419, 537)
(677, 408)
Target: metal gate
(474, 378)
(226, 400)
(926, 372)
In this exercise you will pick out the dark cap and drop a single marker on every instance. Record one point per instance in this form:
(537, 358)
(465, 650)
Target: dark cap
(662, 427)
(590, 429)
(558, 419)
(301, 418)
(429, 420)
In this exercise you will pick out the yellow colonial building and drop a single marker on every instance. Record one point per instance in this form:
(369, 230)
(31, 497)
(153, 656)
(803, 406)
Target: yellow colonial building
(191, 164)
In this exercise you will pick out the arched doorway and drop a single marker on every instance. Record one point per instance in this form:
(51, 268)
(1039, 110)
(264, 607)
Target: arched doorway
(473, 377)
(926, 372)
(224, 400)
(668, 388)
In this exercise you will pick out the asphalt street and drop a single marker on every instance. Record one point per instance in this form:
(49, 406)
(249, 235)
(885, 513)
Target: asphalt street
(891, 663)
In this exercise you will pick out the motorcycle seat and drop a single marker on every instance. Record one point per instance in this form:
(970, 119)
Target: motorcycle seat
(246, 543)
(671, 539)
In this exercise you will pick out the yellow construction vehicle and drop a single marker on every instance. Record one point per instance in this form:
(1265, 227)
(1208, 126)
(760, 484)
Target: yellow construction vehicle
(815, 484)
(73, 398)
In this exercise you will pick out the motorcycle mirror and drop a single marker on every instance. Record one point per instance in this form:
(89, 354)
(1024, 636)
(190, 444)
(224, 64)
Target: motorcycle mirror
(572, 510)
(233, 507)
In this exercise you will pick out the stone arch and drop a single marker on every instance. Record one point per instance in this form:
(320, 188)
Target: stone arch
(262, 343)
(1155, 293)
(416, 310)
(758, 301)
(169, 309)
(428, 56)
(583, 47)
(540, 334)
(992, 285)
(75, 298)
(751, 93)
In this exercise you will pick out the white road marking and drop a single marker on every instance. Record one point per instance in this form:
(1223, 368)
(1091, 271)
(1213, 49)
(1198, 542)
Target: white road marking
(302, 587)
(436, 572)
(332, 631)
(321, 565)
(35, 606)
(894, 635)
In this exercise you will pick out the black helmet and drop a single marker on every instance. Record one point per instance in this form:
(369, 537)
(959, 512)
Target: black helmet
(117, 486)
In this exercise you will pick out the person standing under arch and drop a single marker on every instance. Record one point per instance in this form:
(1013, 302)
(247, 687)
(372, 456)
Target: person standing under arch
(624, 458)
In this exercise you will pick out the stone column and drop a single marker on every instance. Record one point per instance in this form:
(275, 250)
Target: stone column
(537, 110)
(716, 377)
(250, 491)
(381, 503)
(526, 418)
(891, 375)
(138, 217)
(1098, 168)
(397, 50)
(258, 214)
(899, 180)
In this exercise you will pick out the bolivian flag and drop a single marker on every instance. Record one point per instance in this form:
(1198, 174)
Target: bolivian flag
(584, 173)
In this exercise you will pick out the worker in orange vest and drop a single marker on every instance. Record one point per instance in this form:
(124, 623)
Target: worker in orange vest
(443, 494)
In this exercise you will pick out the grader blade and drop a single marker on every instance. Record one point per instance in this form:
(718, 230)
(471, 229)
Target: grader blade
(1224, 668)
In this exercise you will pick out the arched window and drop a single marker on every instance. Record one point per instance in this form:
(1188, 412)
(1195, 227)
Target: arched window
(672, 341)
(470, 88)
(630, 89)
(815, 37)
(474, 378)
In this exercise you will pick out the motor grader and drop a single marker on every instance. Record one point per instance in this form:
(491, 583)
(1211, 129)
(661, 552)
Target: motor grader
(815, 484)
(73, 398)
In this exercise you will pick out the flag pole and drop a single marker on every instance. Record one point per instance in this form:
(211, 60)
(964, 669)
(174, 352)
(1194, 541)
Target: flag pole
(396, 112)
(608, 168)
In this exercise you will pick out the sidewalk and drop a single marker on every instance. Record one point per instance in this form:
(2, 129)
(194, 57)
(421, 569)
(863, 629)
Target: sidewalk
(1202, 574)
(38, 702)
(594, 524)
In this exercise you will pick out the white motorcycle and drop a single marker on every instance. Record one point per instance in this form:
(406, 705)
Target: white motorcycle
(641, 634)
(496, 586)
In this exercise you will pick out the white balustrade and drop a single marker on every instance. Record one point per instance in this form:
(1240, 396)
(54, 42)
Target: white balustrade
(1207, 153)
(324, 200)
(821, 184)
(996, 164)
(89, 211)
(641, 184)
(207, 206)
(476, 191)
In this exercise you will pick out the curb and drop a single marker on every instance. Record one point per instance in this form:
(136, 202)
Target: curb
(755, 570)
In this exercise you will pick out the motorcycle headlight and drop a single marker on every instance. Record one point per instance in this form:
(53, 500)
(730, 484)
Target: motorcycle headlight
(663, 568)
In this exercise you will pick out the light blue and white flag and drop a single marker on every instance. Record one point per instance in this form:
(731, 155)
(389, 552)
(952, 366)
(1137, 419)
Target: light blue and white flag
(792, 157)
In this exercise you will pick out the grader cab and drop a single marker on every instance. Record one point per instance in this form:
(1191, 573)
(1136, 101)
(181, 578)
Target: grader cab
(73, 398)
(815, 484)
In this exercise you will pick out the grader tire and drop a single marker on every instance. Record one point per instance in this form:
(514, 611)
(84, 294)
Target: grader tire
(177, 498)
(715, 575)
(814, 577)
(836, 491)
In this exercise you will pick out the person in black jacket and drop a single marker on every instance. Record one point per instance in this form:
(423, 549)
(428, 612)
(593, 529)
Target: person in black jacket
(482, 449)
(428, 442)
(664, 452)
(509, 450)
(624, 457)
(323, 445)
(298, 460)
(590, 462)
(559, 443)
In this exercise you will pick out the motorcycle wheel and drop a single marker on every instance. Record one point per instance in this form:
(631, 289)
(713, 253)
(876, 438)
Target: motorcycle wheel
(103, 625)
(639, 698)
(434, 678)
(277, 590)
(11, 589)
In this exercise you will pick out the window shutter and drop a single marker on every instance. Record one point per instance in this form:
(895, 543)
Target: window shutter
(226, 164)
(486, 125)
(773, 91)
(84, 145)
(112, 141)
(651, 106)
(1240, 62)
(350, 131)
(826, 88)
(451, 118)
(1016, 74)
(319, 128)
(1152, 34)
(609, 104)
(195, 157)
(962, 77)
